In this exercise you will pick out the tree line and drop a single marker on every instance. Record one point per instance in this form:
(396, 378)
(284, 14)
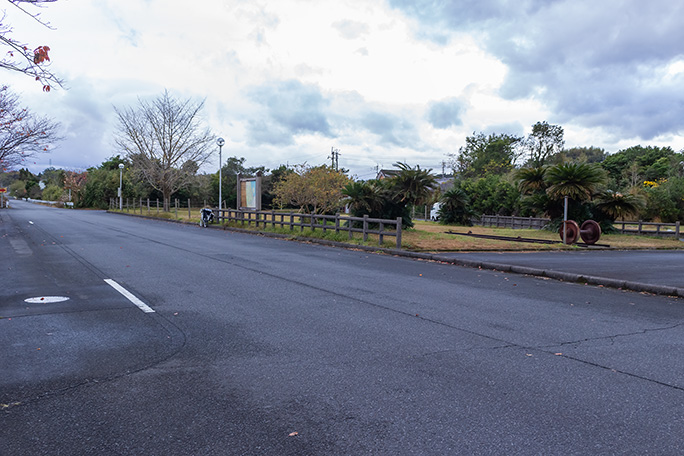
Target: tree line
(164, 144)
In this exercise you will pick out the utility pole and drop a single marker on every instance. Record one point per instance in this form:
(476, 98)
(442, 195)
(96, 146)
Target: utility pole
(335, 156)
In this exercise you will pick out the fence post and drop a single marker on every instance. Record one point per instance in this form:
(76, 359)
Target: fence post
(126, 204)
(291, 221)
(677, 229)
(365, 227)
(273, 221)
(175, 208)
(399, 222)
(640, 224)
(337, 223)
(380, 236)
(148, 206)
(140, 206)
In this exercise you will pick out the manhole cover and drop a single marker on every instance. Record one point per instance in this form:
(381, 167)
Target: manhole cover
(46, 299)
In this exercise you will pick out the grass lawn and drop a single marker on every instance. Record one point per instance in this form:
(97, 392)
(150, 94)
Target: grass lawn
(432, 237)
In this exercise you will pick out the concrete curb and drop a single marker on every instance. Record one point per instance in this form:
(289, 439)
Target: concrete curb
(524, 270)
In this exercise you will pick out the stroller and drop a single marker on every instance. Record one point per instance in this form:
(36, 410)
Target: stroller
(206, 216)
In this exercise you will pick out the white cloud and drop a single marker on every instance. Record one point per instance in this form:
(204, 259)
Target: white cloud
(402, 80)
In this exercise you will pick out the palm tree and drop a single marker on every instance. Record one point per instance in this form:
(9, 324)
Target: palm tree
(618, 205)
(365, 197)
(577, 181)
(455, 207)
(531, 180)
(413, 185)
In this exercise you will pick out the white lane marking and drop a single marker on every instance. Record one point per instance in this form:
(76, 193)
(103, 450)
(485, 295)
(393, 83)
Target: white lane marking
(46, 299)
(144, 307)
(20, 247)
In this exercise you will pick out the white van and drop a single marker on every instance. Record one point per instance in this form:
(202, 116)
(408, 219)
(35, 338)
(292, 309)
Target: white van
(434, 212)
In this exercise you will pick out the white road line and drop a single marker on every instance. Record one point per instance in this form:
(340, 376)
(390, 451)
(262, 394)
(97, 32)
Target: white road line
(144, 307)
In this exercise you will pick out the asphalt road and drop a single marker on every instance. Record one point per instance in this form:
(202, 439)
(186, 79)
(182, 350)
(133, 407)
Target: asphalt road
(263, 346)
(660, 267)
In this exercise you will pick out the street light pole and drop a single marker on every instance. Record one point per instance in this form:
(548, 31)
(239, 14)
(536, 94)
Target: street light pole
(121, 167)
(220, 142)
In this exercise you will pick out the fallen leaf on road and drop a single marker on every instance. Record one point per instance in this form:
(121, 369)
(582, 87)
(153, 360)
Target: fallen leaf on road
(293, 434)
(558, 354)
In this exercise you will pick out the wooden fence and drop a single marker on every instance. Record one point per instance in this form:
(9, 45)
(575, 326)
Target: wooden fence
(335, 223)
(625, 227)
(648, 228)
(504, 221)
(147, 206)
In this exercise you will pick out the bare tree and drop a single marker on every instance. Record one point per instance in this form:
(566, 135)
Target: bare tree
(165, 141)
(19, 57)
(22, 134)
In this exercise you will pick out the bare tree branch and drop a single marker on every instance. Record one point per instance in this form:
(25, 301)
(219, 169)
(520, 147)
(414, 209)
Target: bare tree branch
(19, 57)
(22, 134)
(165, 141)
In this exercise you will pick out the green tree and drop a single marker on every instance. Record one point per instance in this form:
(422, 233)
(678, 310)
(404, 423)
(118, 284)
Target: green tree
(52, 192)
(413, 185)
(649, 164)
(483, 155)
(377, 199)
(544, 188)
(18, 189)
(315, 189)
(577, 181)
(100, 184)
(455, 208)
(52, 176)
(579, 155)
(620, 205)
(545, 141)
(665, 202)
(491, 195)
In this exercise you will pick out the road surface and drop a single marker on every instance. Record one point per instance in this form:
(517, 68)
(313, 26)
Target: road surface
(253, 345)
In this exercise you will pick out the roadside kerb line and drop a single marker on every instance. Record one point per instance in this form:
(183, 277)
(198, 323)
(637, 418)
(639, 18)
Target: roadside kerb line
(141, 305)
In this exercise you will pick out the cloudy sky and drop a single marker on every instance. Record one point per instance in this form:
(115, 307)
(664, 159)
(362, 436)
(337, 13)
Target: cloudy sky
(383, 81)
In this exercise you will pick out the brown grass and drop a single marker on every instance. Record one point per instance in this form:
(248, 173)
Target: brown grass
(432, 237)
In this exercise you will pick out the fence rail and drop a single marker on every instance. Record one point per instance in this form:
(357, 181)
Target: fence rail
(335, 223)
(506, 221)
(649, 228)
(148, 206)
(625, 227)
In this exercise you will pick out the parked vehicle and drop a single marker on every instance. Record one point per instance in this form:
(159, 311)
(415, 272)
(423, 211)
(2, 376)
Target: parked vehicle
(434, 212)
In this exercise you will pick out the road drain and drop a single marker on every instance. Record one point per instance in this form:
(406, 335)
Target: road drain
(46, 299)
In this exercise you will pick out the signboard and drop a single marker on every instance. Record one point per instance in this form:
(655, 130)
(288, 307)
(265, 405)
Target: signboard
(249, 193)
(3, 190)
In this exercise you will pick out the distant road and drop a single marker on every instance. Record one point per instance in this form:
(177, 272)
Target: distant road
(177, 340)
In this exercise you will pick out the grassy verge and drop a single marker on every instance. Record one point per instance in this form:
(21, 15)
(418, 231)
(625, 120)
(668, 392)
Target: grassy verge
(432, 237)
